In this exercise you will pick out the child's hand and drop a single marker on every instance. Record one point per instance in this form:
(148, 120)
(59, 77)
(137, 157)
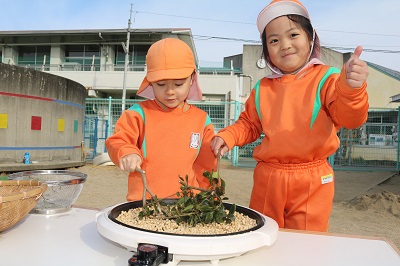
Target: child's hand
(356, 69)
(218, 143)
(130, 162)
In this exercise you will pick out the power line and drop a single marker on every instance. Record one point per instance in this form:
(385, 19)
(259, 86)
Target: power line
(204, 37)
(206, 19)
(253, 24)
(364, 50)
(362, 33)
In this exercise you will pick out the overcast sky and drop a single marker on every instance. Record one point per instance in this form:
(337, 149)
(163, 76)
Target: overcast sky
(220, 27)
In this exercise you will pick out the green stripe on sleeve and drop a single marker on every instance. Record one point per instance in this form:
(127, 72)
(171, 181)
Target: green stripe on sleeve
(208, 121)
(138, 109)
(257, 99)
(317, 101)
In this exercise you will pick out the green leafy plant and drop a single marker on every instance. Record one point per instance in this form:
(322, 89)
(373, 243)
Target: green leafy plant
(193, 205)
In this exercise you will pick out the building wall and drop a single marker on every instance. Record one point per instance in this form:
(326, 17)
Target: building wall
(380, 88)
(41, 114)
(252, 53)
(214, 87)
(108, 79)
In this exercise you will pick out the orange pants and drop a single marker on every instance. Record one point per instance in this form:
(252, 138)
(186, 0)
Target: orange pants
(296, 196)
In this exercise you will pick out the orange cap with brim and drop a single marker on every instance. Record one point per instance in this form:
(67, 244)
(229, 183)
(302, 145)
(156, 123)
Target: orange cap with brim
(278, 8)
(170, 58)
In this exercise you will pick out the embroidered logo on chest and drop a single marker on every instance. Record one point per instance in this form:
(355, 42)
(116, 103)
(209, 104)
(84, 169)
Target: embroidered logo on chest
(195, 140)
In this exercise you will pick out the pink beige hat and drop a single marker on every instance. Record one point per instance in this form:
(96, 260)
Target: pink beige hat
(170, 58)
(279, 8)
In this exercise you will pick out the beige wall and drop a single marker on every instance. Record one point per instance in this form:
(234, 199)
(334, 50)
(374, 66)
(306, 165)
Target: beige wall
(251, 53)
(380, 88)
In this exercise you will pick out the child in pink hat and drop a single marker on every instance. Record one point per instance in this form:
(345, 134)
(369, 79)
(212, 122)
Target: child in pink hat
(165, 136)
(299, 108)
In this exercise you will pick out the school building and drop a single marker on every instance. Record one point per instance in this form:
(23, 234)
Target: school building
(96, 59)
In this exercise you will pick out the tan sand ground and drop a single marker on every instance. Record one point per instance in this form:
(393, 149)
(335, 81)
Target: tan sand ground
(366, 203)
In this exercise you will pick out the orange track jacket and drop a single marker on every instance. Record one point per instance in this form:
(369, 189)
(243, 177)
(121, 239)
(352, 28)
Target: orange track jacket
(172, 143)
(282, 108)
(299, 116)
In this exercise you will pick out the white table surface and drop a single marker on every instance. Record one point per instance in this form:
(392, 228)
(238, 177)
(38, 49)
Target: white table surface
(72, 239)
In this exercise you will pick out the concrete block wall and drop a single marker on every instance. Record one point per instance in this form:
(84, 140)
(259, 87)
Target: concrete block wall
(40, 113)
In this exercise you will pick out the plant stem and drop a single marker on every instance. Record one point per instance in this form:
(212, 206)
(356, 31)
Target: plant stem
(146, 188)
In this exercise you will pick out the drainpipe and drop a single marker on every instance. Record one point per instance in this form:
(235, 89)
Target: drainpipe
(251, 84)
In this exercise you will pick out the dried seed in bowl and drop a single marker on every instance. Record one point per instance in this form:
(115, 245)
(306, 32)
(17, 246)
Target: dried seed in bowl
(131, 217)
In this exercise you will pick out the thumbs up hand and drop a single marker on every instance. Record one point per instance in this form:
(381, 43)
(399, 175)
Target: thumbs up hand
(356, 70)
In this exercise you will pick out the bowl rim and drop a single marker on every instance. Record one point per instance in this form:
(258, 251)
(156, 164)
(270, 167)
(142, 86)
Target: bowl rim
(116, 210)
(25, 175)
(37, 189)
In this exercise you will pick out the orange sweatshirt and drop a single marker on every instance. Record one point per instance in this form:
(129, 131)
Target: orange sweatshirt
(172, 143)
(282, 108)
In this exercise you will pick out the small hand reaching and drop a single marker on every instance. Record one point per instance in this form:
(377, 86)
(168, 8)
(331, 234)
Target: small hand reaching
(356, 69)
(130, 162)
(218, 143)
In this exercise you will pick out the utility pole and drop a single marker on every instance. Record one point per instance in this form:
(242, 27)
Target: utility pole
(126, 50)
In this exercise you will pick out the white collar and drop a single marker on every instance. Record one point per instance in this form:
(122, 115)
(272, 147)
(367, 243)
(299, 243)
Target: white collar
(277, 73)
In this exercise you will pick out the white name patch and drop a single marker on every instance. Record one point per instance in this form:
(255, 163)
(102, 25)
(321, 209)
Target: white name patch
(326, 179)
(195, 140)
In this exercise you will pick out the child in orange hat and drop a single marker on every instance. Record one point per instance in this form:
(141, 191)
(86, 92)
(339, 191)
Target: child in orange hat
(165, 136)
(299, 108)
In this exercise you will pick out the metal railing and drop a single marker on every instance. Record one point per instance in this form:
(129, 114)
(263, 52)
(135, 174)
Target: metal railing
(373, 146)
(74, 66)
